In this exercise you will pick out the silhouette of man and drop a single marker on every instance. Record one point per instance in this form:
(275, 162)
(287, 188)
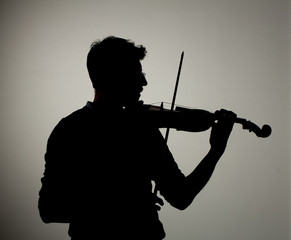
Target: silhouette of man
(101, 159)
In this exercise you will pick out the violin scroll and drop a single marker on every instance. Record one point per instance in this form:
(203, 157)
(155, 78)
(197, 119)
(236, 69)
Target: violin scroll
(266, 131)
(263, 132)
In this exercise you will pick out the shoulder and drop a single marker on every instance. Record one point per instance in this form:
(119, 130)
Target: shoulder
(71, 122)
(76, 118)
(77, 115)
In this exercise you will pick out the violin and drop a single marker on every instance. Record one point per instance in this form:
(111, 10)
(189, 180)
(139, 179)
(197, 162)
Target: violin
(193, 120)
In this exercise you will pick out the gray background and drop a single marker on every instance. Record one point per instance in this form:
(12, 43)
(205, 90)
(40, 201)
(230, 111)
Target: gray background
(236, 57)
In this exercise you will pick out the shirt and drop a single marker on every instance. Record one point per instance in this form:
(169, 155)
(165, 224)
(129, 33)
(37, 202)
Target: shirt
(99, 166)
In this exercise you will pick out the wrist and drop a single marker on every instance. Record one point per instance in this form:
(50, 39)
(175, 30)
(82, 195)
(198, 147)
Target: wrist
(216, 153)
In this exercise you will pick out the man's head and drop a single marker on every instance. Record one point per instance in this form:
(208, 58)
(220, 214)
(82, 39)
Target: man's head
(114, 67)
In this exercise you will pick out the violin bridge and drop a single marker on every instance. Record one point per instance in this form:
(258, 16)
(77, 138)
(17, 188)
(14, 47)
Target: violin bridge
(162, 106)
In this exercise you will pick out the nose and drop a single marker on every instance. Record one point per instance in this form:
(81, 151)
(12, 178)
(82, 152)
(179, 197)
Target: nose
(143, 80)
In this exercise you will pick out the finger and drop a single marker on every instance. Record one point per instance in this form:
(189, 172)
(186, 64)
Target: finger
(223, 114)
(158, 208)
(159, 201)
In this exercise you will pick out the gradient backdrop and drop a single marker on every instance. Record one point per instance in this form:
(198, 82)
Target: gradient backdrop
(237, 56)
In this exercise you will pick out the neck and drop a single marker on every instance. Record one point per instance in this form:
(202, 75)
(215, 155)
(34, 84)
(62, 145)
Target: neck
(103, 100)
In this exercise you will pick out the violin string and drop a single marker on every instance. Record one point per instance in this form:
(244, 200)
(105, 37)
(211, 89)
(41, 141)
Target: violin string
(168, 103)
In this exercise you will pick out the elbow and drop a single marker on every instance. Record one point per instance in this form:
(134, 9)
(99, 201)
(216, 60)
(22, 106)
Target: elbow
(44, 216)
(183, 203)
(180, 199)
(53, 217)
(45, 219)
(50, 213)
(181, 207)
(44, 213)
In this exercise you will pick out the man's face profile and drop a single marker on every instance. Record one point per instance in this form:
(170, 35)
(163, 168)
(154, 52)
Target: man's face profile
(132, 81)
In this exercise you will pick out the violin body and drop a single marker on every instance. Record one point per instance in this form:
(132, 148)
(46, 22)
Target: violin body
(194, 120)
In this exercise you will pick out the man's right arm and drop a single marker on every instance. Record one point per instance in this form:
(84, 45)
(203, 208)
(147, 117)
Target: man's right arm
(54, 197)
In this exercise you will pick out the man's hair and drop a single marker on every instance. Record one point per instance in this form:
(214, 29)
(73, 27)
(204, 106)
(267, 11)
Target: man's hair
(109, 57)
